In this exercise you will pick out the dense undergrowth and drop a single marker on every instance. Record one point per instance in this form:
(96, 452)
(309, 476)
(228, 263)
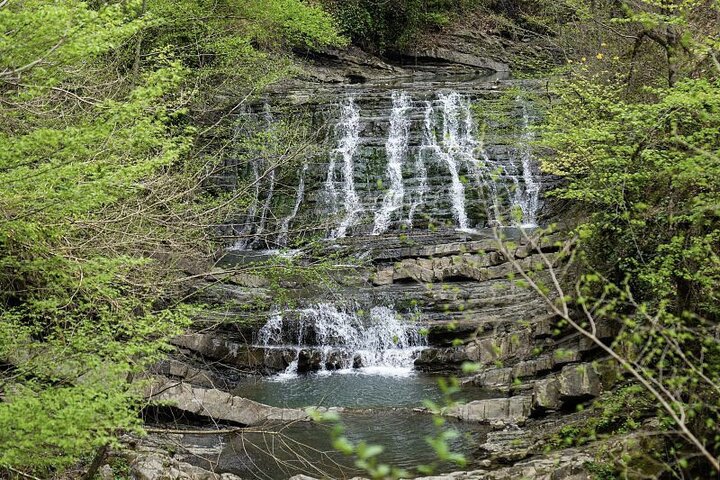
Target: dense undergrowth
(632, 126)
(105, 149)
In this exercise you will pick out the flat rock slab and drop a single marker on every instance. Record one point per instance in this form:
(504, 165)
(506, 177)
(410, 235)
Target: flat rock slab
(219, 405)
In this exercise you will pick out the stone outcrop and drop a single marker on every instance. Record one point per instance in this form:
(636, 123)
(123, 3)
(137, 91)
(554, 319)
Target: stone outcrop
(513, 410)
(218, 347)
(158, 465)
(565, 465)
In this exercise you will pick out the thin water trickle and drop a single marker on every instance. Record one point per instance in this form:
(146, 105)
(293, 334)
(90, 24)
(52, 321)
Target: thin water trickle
(530, 200)
(349, 129)
(420, 168)
(396, 149)
(285, 225)
(451, 150)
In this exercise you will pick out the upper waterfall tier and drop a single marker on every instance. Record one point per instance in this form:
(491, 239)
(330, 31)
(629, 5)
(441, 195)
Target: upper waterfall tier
(404, 159)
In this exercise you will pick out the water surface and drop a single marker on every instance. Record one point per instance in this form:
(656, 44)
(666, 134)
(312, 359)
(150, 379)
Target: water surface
(359, 388)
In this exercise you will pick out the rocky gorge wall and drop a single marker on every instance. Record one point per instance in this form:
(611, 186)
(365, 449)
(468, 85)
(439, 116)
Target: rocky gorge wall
(416, 179)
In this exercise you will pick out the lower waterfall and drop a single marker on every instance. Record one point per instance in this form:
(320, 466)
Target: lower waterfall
(327, 337)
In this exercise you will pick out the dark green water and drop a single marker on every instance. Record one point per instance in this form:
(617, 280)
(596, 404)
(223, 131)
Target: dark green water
(305, 447)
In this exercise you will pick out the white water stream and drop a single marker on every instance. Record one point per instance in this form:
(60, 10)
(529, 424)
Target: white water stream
(378, 341)
(349, 131)
(442, 136)
(396, 148)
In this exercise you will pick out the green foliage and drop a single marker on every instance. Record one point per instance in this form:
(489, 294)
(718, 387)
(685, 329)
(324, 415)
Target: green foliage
(100, 104)
(634, 131)
(616, 412)
(383, 25)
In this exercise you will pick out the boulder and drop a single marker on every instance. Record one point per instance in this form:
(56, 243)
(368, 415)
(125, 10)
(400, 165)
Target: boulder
(579, 382)
(546, 394)
(337, 359)
(149, 465)
(309, 360)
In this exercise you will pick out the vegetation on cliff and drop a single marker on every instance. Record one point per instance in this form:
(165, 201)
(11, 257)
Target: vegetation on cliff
(633, 128)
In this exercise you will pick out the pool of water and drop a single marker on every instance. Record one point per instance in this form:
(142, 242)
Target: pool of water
(358, 388)
(305, 447)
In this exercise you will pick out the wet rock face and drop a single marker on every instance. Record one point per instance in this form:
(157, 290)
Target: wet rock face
(401, 155)
(308, 360)
(391, 194)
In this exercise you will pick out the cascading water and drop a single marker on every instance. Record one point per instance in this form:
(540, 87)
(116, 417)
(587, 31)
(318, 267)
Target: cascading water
(451, 149)
(420, 169)
(396, 149)
(349, 128)
(530, 199)
(377, 341)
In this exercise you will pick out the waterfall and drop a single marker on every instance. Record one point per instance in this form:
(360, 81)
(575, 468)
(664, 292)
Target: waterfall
(378, 341)
(349, 129)
(450, 150)
(396, 149)
(530, 199)
(445, 148)
(285, 225)
(420, 169)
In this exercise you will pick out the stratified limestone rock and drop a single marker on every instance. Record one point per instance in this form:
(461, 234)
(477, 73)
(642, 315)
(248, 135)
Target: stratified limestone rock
(494, 378)
(574, 383)
(504, 346)
(469, 266)
(218, 405)
(513, 410)
(564, 465)
(507, 446)
(440, 359)
(216, 347)
(190, 374)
